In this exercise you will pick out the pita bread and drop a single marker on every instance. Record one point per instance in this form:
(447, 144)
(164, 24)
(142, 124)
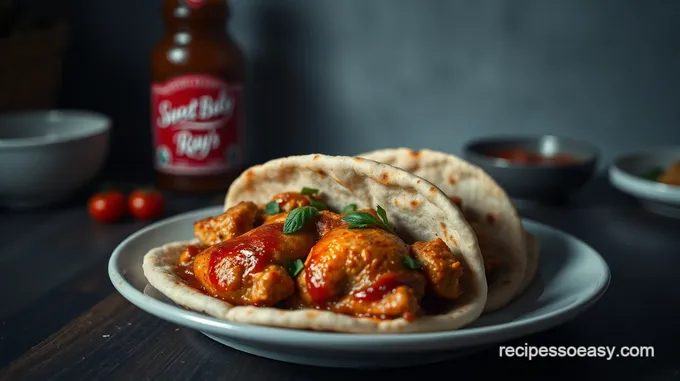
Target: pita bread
(486, 206)
(533, 255)
(415, 207)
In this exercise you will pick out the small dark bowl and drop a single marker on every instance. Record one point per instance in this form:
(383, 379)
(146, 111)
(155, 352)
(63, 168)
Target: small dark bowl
(536, 182)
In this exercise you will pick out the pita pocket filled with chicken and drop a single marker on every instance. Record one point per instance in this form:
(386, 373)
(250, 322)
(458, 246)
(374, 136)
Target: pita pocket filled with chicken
(329, 243)
(510, 253)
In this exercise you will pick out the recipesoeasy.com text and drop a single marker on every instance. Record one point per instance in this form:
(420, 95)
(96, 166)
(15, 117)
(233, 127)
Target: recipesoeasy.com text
(607, 352)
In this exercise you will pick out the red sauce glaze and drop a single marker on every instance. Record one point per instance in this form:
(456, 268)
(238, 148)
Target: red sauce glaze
(190, 252)
(193, 250)
(524, 156)
(251, 251)
(317, 288)
(381, 287)
(186, 273)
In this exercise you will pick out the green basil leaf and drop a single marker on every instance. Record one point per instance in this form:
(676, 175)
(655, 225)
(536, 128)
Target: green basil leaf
(356, 226)
(412, 263)
(306, 190)
(318, 205)
(272, 208)
(297, 218)
(382, 214)
(361, 218)
(350, 208)
(653, 174)
(294, 267)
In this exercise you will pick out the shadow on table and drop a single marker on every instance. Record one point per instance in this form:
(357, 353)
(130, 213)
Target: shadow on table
(596, 193)
(600, 214)
(486, 362)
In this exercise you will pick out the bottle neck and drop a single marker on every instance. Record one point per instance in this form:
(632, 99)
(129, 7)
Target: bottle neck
(200, 31)
(209, 20)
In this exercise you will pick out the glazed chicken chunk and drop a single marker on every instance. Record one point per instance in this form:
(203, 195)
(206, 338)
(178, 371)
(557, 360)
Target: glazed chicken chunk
(186, 258)
(442, 270)
(290, 200)
(232, 223)
(361, 272)
(671, 175)
(243, 217)
(249, 269)
(328, 221)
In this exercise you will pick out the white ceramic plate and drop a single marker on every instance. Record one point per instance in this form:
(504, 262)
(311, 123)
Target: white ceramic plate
(627, 174)
(572, 276)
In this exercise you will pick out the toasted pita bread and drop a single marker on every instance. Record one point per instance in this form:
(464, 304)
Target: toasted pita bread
(415, 207)
(486, 206)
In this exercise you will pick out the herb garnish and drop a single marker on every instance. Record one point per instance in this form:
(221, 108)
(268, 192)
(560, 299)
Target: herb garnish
(359, 220)
(272, 208)
(318, 205)
(294, 267)
(297, 218)
(412, 263)
(350, 208)
(306, 190)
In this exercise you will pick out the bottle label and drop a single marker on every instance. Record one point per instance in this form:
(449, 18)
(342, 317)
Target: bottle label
(195, 3)
(197, 125)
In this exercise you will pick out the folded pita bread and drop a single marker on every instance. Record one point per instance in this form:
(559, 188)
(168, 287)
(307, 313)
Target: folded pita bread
(486, 206)
(533, 255)
(415, 207)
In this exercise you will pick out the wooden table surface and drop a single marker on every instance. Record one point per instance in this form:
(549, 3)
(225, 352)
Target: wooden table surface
(72, 325)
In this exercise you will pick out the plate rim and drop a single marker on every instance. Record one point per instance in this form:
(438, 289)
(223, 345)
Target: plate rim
(643, 188)
(350, 341)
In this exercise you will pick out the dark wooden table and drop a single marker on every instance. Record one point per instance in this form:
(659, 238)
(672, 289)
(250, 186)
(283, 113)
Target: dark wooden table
(62, 319)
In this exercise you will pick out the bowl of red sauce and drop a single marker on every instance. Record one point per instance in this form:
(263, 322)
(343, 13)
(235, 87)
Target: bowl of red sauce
(541, 168)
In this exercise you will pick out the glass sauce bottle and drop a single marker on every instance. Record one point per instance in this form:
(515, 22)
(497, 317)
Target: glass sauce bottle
(196, 99)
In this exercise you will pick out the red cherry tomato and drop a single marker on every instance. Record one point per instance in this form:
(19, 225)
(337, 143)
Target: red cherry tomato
(146, 204)
(107, 206)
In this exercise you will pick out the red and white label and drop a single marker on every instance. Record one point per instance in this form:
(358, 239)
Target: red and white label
(195, 3)
(197, 124)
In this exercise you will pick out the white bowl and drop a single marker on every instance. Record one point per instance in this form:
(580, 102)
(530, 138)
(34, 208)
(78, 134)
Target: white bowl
(46, 156)
(627, 174)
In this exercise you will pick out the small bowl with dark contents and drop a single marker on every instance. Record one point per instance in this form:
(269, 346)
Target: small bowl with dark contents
(543, 168)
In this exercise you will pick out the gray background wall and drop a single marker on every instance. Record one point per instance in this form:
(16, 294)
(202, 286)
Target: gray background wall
(352, 75)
